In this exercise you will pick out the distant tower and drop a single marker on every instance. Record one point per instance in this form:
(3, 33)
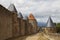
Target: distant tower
(12, 8)
(50, 28)
(50, 22)
(33, 22)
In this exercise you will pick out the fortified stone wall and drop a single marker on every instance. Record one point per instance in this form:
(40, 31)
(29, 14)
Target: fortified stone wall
(29, 28)
(15, 25)
(22, 28)
(19, 24)
(5, 23)
(12, 26)
(49, 30)
(26, 27)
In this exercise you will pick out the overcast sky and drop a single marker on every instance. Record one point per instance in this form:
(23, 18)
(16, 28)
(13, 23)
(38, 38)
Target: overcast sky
(41, 9)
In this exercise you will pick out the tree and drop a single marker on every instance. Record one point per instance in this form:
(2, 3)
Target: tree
(58, 27)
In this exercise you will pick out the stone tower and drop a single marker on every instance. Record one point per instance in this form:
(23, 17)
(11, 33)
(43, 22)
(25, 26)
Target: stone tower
(15, 30)
(21, 24)
(33, 22)
(27, 26)
(50, 28)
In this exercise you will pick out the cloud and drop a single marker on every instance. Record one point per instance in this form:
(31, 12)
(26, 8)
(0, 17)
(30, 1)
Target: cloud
(41, 9)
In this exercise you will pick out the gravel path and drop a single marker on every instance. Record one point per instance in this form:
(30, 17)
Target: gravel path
(38, 36)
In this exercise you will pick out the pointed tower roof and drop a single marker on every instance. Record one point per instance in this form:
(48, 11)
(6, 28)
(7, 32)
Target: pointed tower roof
(31, 16)
(25, 18)
(20, 15)
(50, 22)
(12, 8)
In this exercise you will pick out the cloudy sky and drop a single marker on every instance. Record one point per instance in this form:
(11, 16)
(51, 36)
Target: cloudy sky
(41, 9)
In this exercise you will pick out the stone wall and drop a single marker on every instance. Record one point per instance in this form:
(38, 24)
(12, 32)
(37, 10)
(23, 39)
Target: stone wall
(15, 25)
(22, 28)
(5, 23)
(49, 30)
(9, 26)
(29, 28)
(12, 26)
(19, 24)
(34, 25)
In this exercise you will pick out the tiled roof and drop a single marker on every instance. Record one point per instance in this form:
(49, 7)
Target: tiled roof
(31, 16)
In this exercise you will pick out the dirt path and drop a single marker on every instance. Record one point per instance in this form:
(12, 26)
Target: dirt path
(38, 36)
(30, 37)
(33, 37)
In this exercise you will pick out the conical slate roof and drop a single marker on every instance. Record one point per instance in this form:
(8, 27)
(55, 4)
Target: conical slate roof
(50, 22)
(31, 16)
(20, 15)
(25, 18)
(12, 8)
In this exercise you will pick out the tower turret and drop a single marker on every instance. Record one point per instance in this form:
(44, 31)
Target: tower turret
(50, 22)
(50, 28)
(33, 22)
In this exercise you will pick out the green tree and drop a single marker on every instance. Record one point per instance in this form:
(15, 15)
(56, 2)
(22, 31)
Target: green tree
(58, 27)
